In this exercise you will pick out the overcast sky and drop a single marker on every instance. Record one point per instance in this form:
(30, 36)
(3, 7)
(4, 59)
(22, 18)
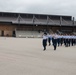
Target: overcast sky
(52, 7)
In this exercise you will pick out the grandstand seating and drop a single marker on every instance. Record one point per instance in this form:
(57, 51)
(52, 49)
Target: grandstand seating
(54, 22)
(36, 21)
(28, 34)
(64, 22)
(8, 19)
(40, 21)
(75, 23)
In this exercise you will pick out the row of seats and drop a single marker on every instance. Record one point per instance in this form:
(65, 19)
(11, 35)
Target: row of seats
(28, 33)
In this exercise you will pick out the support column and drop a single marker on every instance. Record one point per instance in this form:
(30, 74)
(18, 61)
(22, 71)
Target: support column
(73, 25)
(47, 22)
(60, 22)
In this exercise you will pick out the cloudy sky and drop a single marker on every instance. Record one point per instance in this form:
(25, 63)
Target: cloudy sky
(52, 7)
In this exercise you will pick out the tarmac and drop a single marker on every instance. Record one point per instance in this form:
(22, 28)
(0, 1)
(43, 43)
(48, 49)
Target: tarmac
(25, 56)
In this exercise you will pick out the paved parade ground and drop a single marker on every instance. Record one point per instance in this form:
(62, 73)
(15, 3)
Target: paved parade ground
(25, 56)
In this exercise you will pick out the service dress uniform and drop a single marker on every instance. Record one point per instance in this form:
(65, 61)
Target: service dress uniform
(44, 42)
(54, 42)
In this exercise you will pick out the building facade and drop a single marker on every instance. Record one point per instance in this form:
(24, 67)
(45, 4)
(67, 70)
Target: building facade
(11, 23)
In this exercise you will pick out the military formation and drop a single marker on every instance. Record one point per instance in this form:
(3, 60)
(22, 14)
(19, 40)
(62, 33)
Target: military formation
(58, 40)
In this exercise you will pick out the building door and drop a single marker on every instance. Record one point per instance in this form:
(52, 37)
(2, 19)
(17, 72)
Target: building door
(13, 34)
(2, 33)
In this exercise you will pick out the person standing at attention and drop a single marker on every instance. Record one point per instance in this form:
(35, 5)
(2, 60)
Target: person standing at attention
(44, 42)
(49, 38)
(55, 41)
